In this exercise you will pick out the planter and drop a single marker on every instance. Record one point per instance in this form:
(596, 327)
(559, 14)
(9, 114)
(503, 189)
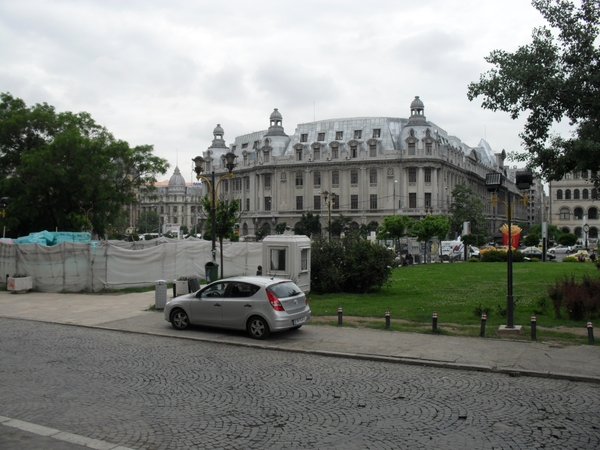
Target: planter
(180, 287)
(19, 285)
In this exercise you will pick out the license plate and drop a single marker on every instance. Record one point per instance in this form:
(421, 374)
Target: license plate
(299, 321)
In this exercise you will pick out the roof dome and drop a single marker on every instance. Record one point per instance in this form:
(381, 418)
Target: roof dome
(276, 115)
(218, 129)
(177, 179)
(417, 103)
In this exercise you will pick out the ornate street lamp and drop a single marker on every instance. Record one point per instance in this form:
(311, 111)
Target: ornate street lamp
(229, 162)
(493, 182)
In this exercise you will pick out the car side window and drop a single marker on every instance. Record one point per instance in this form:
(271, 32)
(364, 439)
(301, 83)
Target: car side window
(241, 290)
(215, 290)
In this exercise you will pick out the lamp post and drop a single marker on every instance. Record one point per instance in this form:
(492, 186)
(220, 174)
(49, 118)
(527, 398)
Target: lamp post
(586, 229)
(493, 182)
(229, 160)
(328, 196)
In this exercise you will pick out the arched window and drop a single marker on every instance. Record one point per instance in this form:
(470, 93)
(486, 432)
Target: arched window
(593, 213)
(576, 194)
(565, 214)
(585, 194)
(578, 213)
(567, 194)
(559, 194)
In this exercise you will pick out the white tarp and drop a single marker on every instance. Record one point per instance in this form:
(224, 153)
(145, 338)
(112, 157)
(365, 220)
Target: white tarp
(74, 267)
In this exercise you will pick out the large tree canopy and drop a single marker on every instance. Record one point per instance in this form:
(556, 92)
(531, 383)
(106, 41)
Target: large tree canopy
(63, 171)
(467, 207)
(555, 77)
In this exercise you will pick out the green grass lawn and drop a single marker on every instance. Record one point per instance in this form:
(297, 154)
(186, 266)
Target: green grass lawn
(455, 292)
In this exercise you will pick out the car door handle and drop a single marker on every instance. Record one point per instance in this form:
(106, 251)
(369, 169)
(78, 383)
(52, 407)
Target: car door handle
(217, 304)
(247, 305)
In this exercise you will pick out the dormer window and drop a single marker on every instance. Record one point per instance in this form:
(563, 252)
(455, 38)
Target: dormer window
(266, 156)
(357, 134)
(304, 137)
(245, 145)
(321, 137)
(376, 133)
(339, 135)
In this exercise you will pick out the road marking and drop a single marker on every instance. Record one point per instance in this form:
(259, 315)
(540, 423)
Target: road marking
(60, 435)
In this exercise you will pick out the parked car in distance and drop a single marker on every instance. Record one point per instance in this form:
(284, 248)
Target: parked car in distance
(578, 247)
(534, 252)
(475, 253)
(260, 305)
(561, 249)
(582, 255)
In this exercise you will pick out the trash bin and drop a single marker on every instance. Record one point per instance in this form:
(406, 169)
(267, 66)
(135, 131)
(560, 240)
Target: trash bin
(212, 271)
(160, 296)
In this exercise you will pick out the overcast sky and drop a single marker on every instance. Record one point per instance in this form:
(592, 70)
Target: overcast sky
(167, 72)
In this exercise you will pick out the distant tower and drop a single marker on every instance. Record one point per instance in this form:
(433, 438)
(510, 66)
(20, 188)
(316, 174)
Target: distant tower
(417, 113)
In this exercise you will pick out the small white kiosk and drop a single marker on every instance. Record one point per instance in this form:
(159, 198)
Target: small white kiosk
(288, 256)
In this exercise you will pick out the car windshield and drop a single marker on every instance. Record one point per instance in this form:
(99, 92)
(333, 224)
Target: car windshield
(285, 289)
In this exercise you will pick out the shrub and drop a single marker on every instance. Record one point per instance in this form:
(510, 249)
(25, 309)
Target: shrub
(349, 265)
(570, 259)
(473, 259)
(580, 300)
(493, 256)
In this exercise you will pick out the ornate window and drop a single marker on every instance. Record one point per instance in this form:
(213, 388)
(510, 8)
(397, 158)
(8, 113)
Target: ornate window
(321, 137)
(354, 177)
(304, 137)
(299, 203)
(576, 194)
(317, 178)
(339, 135)
(335, 178)
(412, 174)
(578, 213)
(427, 199)
(376, 133)
(585, 194)
(593, 213)
(567, 194)
(357, 134)
(373, 201)
(317, 203)
(267, 203)
(373, 177)
(354, 201)
(412, 200)
(299, 179)
(559, 194)
(565, 214)
(427, 175)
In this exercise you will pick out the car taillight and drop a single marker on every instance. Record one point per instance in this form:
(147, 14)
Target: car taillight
(275, 303)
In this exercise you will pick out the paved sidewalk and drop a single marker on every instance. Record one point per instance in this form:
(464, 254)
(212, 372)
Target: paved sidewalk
(130, 313)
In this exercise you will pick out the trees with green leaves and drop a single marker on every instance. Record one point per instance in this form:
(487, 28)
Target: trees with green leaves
(393, 227)
(429, 227)
(310, 224)
(555, 77)
(467, 207)
(280, 228)
(340, 224)
(64, 171)
(148, 222)
(225, 219)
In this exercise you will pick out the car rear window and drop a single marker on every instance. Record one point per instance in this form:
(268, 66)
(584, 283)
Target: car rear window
(285, 289)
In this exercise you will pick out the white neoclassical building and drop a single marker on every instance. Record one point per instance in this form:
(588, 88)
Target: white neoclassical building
(365, 168)
(574, 204)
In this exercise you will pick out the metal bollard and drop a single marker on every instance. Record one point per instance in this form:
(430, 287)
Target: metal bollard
(483, 321)
(590, 328)
(340, 315)
(533, 328)
(434, 322)
(387, 320)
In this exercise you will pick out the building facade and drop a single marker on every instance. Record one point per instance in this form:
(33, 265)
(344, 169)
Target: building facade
(574, 204)
(365, 168)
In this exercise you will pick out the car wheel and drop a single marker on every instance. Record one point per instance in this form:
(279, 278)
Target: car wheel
(180, 319)
(258, 328)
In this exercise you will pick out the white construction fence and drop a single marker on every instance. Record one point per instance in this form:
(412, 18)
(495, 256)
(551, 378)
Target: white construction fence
(97, 266)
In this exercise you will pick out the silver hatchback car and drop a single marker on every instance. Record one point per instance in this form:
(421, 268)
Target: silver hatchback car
(260, 305)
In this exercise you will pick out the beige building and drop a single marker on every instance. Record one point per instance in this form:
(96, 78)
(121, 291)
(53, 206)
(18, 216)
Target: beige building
(365, 168)
(573, 205)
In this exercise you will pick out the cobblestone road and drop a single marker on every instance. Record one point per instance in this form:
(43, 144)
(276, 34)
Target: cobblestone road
(152, 392)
